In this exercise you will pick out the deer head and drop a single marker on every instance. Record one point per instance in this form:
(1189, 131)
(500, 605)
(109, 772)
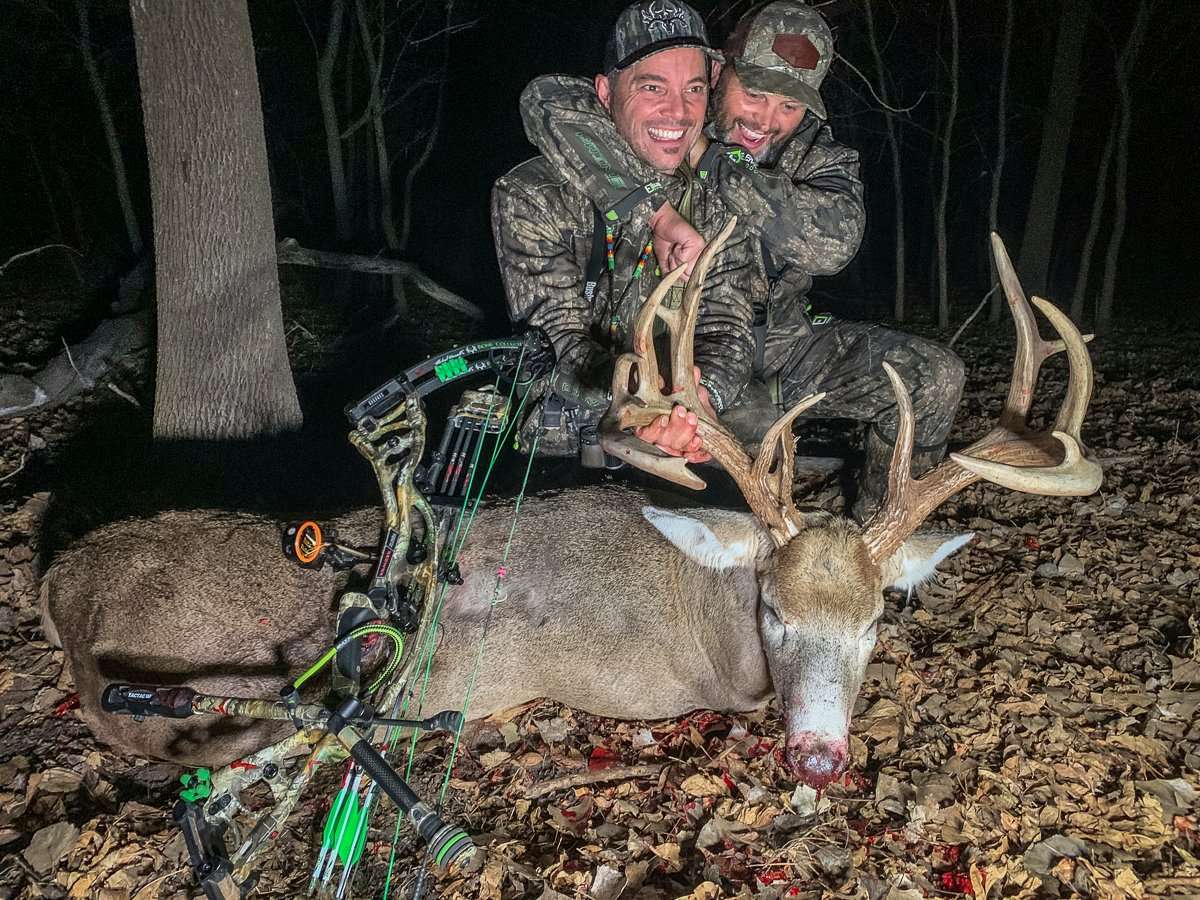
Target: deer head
(821, 577)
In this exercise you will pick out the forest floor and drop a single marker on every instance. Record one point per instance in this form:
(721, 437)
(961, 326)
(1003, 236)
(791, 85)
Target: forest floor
(1028, 725)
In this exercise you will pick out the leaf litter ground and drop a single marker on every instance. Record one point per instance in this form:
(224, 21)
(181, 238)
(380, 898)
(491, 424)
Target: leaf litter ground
(1028, 725)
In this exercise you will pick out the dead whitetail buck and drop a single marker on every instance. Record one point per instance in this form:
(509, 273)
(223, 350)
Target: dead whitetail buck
(609, 605)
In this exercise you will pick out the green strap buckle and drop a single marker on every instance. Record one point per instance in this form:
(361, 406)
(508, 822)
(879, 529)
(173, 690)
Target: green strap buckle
(196, 786)
(449, 369)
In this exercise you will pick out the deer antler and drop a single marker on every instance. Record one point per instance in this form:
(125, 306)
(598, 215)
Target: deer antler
(765, 481)
(1009, 455)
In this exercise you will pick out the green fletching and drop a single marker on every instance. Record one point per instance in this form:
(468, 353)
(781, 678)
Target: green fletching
(342, 827)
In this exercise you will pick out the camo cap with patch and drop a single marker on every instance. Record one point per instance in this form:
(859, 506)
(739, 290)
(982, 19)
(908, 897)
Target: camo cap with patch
(785, 48)
(650, 26)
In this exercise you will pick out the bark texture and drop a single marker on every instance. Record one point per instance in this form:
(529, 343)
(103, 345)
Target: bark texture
(222, 370)
(994, 313)
(943, 262)
(1079, 295)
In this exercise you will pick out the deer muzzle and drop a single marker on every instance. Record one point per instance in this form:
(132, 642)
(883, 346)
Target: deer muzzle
(816, 759)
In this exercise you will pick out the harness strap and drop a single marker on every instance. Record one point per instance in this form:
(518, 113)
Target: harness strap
(626, 204)
(595, 263)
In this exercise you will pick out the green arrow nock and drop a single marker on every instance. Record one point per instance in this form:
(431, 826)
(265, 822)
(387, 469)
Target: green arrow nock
(196, 786)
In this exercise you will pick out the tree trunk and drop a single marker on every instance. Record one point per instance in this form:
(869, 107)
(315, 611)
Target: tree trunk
(1001, 151)
(944, 193)
(1038, 239)
(898, 300)
(132, 229)
(381, 156)
(222, 370)
(431, 138)
(1089, 242)
(1125, 64)
(343, 225)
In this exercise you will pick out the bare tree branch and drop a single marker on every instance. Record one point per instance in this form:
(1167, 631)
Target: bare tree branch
(882, 103)
(18, 256)
(620, 773)
(77, 368)
(290, 253)
(971, 318)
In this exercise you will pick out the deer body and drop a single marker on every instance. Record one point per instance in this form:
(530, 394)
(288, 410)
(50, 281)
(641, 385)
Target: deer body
(208, 597)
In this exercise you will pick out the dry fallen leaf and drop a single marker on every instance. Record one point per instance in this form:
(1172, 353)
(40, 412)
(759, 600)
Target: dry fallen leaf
(669, 853)
(49, 845)
(702, 785)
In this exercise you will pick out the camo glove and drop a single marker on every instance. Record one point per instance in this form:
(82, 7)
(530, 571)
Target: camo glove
(808, 207)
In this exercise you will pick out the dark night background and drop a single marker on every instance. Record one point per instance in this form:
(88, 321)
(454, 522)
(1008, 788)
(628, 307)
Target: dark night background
(1028, 724)
(54, 146)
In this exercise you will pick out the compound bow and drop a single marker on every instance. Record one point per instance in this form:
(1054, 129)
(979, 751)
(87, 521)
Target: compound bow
(400, 600)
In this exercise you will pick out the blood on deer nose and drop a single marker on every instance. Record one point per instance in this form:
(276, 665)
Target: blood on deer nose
(815, 759)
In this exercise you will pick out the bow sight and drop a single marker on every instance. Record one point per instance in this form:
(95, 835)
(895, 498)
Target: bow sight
(389, 429)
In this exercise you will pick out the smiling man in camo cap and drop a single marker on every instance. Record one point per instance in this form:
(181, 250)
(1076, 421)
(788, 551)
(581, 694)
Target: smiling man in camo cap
(778, 56)
(581, 276)
(769, 156)
(783, 48)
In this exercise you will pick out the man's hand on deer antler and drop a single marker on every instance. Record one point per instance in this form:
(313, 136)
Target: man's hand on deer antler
(676, 242)
(676, 434)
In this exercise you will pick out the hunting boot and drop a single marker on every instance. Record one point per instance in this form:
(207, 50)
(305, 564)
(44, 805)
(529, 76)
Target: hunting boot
(873, 480)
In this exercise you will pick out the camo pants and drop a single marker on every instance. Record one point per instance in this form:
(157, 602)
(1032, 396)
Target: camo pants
(843, 359)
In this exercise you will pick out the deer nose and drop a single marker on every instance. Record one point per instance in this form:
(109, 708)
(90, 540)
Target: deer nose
(815, 759)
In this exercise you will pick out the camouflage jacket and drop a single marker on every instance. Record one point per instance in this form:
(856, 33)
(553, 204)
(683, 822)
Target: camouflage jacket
(544, 230)
(807, 211)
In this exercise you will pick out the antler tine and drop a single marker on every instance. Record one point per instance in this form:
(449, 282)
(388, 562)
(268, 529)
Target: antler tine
(887, 528)
(769, 493)
(1079, 380)
(1008, 455)
(1032, 351)
(682, 322)
(643, 326)
(646, 402)
(1076, 475)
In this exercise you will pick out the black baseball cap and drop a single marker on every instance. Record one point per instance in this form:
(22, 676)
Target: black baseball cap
(650, 26)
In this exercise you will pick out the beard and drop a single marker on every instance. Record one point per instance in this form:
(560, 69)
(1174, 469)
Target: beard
(766, 155)
(725, 126)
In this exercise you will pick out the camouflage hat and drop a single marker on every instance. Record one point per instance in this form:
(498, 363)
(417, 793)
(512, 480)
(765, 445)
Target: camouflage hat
(649, 26)
(785, 48)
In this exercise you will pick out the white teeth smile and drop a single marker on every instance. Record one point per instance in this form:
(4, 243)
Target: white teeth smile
(664, 134)
(752, 135)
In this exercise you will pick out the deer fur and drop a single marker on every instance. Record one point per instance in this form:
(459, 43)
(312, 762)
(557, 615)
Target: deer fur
(609, 605)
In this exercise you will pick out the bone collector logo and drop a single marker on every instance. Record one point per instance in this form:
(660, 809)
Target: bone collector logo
(663, 19)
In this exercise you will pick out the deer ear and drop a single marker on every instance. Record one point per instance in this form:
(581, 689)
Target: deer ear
(919, 556)
(715, 538)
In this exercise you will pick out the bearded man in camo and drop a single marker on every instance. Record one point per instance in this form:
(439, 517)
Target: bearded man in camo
(768, 157)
